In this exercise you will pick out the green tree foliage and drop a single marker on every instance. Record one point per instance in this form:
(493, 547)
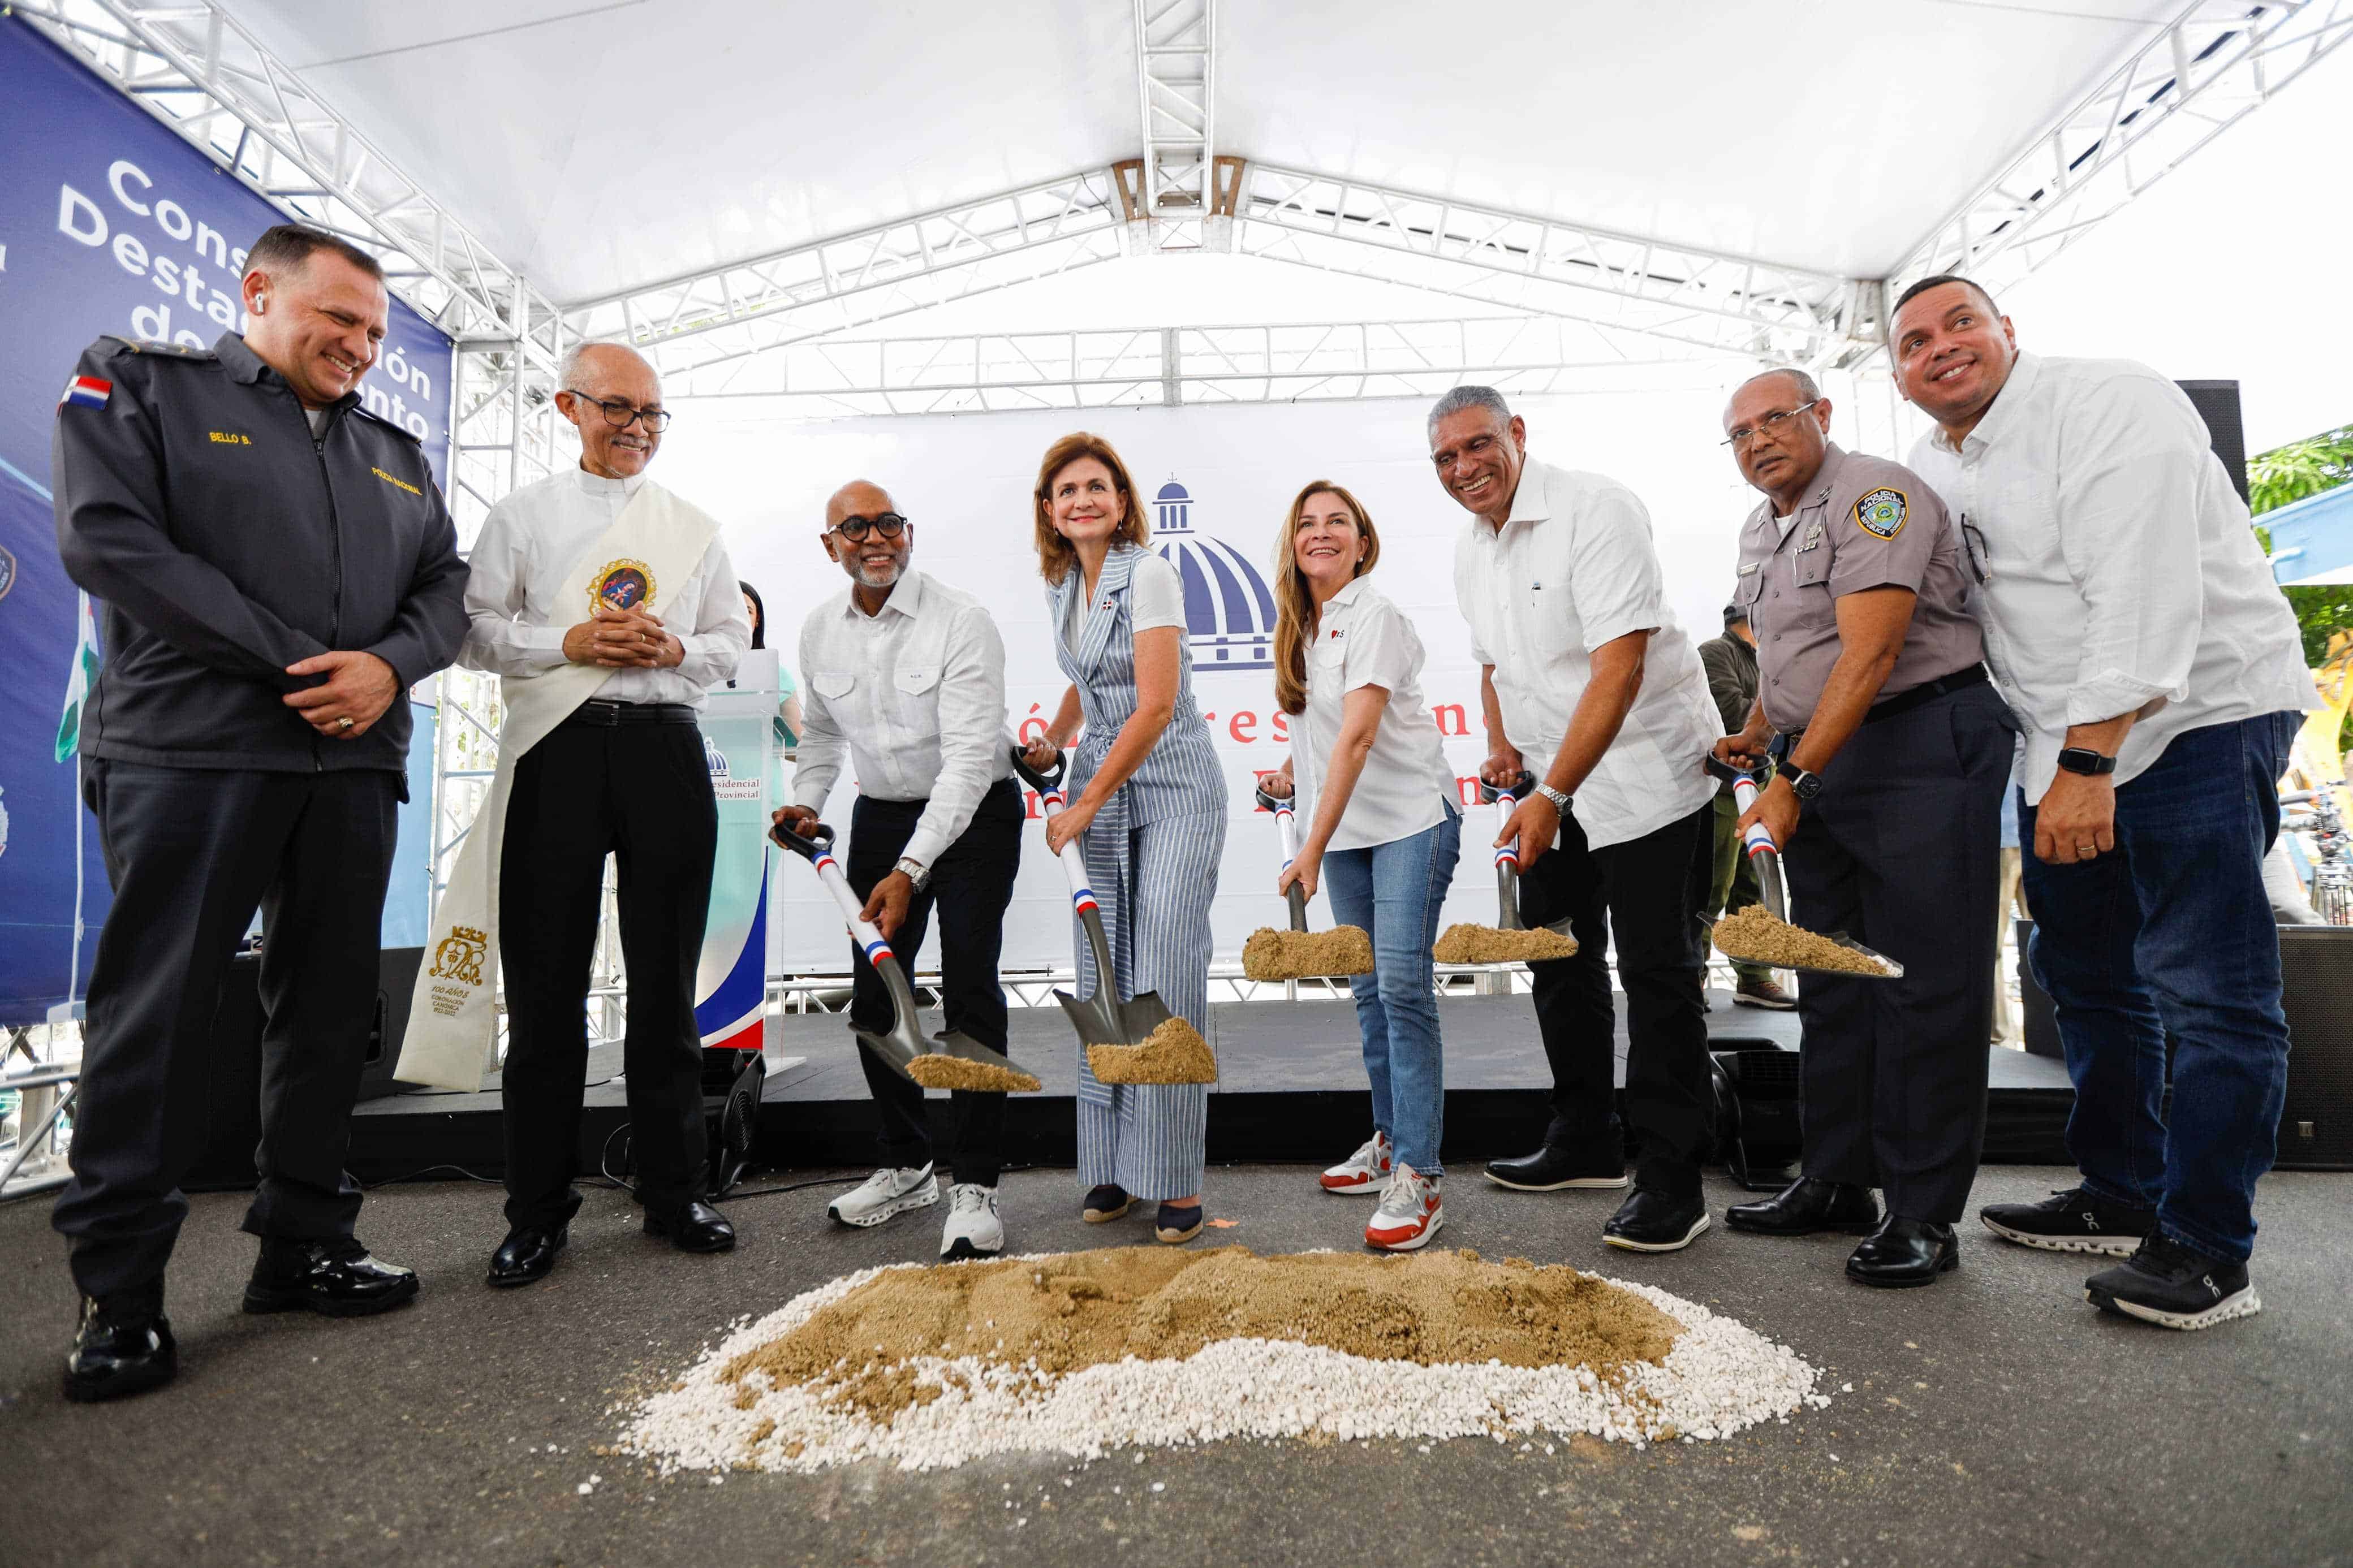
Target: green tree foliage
(2290, 473)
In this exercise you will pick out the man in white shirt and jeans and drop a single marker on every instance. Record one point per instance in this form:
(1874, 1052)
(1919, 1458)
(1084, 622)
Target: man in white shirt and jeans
(905, 677)
(1587, 681)
(2133, 625)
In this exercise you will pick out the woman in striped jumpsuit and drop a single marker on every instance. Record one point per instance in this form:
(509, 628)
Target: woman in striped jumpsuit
(1150, 800)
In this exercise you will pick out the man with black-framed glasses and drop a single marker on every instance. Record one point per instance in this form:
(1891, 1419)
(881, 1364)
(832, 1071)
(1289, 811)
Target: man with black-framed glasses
(597, 571)
(907, 683)
(1892, 748)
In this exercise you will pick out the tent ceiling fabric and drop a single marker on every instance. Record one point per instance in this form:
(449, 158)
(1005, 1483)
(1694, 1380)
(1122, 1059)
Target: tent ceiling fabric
(603, 146)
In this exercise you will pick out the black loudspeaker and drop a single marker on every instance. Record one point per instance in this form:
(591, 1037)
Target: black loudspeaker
(2316, 974)
(2316, 992)
(731, 1111)
(395, 983)
(2217, 403)
(1757, 1128)
(233, 1075)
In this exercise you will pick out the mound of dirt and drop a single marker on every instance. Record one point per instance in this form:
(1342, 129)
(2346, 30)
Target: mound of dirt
(1173, 1053)
(934, 1071)
(1754, 936)
(1271, 954)
(1488, 944)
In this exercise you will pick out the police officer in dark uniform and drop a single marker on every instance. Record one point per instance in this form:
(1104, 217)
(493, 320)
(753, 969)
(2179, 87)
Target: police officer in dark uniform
(277, 568)
(1887, 806)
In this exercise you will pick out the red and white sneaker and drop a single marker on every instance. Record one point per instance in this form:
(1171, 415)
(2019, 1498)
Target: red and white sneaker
(1410, 1212)
(1365, 1171)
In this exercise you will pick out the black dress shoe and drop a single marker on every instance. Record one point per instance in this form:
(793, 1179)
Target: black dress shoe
(1805, 1205)
(1904, 1252)
(1654, 1220)
(693, 1227)
(1559, 1165)
(527, 1254)
(334, 1277)
(123, 1347)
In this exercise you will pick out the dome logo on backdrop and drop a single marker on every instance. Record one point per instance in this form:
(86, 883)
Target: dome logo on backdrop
(1229, 609)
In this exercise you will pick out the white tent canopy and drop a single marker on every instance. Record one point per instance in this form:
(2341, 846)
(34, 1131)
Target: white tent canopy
(602, 148)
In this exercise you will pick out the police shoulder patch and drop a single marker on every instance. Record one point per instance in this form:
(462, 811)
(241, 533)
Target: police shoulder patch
(1880, 512)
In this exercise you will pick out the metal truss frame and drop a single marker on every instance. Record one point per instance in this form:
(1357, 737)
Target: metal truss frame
(1168, 366)
(2202, 73)
(851, 280)
(1174, 188)
(196, 68)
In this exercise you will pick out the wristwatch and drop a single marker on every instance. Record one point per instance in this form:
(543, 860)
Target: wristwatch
(1802, 784)
(2083, 760)
(915, 871)
(1559, 801)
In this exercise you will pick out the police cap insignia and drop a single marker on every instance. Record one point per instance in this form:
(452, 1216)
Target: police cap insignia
(1880, 512)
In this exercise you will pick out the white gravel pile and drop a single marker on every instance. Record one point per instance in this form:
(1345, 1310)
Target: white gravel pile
(1720, 1378)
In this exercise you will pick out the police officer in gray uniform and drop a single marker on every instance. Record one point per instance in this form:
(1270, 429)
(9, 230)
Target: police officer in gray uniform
(277, 568)
(1893, 750)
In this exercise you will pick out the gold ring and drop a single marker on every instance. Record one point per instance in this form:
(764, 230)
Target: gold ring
(344, 722)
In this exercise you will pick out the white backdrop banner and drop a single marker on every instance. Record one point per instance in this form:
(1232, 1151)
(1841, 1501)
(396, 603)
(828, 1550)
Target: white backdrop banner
(1216, 483)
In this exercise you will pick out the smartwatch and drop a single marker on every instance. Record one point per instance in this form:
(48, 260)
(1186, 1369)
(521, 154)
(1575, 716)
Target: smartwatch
(2083, 760)
(915, 871)
(1559, 801)
(1802, 784)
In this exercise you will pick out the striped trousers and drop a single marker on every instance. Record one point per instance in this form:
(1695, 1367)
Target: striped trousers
(1153, 884)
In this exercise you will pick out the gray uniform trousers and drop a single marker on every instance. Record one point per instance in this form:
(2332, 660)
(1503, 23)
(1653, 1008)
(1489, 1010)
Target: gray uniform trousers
(1902, 851)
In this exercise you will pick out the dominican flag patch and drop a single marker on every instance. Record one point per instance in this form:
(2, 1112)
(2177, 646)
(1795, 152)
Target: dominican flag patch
(86, 391)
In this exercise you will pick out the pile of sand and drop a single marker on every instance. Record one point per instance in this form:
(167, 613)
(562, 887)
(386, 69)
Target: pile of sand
(1271, 954)
(1754, 936)
(1489, 944)
(1062, 1314)
(929, 1367)
(934, 1071)
(1173, 1053)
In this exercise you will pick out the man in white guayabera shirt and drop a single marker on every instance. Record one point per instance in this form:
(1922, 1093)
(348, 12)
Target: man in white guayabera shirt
(623, 771)
(1588, 682)
(2132, 624)
(907, 683)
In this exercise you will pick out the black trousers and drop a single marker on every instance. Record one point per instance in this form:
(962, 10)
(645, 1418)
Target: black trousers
(191, 853)
(1902, 851)
(1648, 892)
(641, 792)
(970, 887)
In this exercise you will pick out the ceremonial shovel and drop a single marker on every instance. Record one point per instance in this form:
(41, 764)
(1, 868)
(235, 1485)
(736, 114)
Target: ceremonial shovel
(904, 1043)
(1765, 856)
(1297, 953)
(1103, 1019)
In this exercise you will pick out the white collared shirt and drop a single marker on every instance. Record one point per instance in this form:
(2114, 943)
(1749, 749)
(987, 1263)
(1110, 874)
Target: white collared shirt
(529, 545)
(2117, 567)
(1572, 568)
(914, 697)
(1363, 639)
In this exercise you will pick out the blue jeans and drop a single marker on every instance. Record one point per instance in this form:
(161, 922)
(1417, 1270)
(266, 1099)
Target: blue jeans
(1393, 890)
(2172, 934)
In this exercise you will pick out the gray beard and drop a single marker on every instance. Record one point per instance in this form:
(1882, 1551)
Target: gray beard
(865, 580)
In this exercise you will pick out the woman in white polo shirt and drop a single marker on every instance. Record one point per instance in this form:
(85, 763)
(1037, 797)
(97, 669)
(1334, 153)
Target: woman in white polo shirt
(1382, 821)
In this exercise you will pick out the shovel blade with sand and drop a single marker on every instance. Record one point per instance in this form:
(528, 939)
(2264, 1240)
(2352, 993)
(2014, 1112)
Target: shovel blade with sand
(945, 1060)
(1299, 954)
(1510, 939)
(1137, 1040)
(1763, 934)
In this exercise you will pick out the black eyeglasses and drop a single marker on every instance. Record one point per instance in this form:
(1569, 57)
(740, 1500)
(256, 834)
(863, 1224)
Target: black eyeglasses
(1973, 545)
(1771, 423)
(890, 525)
(620, 415)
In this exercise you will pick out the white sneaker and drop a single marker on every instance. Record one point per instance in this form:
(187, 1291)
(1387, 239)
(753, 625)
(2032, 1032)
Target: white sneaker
(973, 1228)
(886, 1193)
(1364, 1171)
(1410, 1212)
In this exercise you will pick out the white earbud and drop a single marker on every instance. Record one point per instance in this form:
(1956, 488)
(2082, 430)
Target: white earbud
(261, 304)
